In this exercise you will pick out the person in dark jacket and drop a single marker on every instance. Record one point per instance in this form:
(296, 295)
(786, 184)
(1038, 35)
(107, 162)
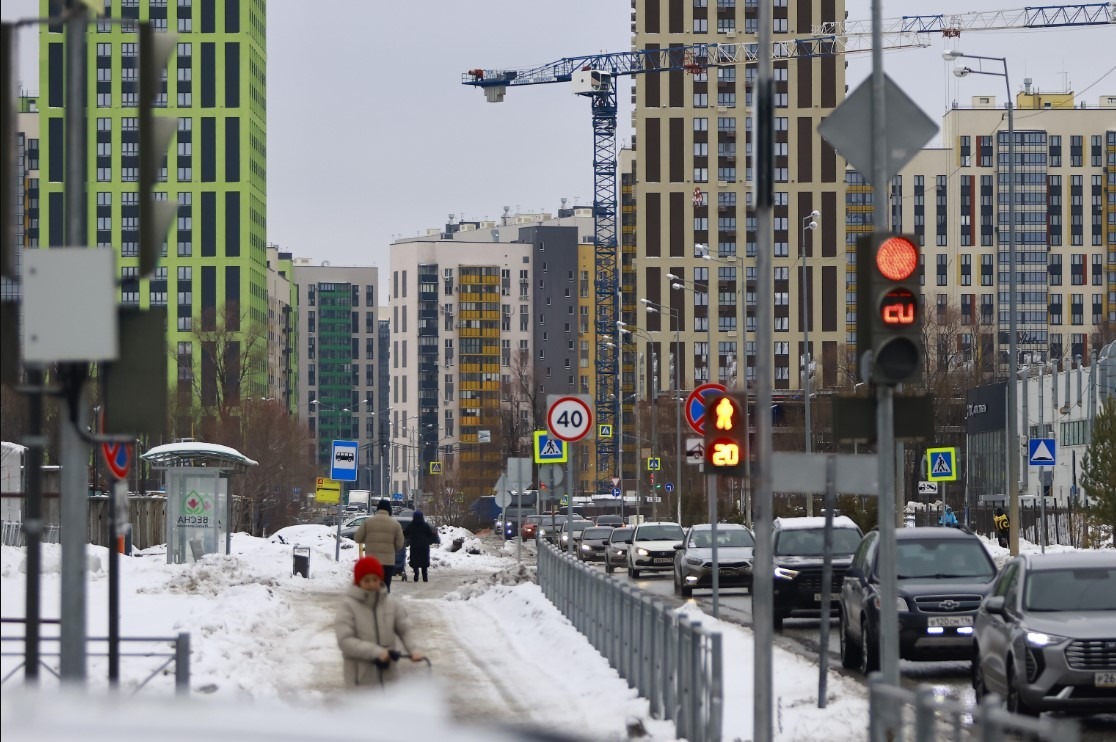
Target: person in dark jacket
(1003, 531)
(421, 535)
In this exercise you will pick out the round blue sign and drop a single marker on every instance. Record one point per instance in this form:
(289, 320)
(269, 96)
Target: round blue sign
(669, 486)
(615, 491)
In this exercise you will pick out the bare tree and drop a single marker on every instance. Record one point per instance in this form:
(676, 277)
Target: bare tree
(445, 500)
(266, 432)
(522, 406)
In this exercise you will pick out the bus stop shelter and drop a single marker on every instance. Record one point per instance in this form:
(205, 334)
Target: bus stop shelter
(199, 507)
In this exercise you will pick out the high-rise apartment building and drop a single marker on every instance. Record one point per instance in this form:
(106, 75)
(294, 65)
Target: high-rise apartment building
(282, 340)
(26, 191)
(486, 320)
(692, 195)
(338, 342)
(213, 274)
(955, 198)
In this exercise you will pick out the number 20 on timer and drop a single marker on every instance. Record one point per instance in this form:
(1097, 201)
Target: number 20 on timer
(726, 433)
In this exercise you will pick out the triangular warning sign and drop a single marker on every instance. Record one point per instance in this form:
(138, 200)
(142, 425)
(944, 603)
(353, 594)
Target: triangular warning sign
(551, 449)
(941, 466)
(1042, 453)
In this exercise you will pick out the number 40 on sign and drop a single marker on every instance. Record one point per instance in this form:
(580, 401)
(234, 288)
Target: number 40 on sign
(569, 418)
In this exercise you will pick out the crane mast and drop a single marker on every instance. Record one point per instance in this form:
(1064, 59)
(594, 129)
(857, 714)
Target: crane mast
(593, 76)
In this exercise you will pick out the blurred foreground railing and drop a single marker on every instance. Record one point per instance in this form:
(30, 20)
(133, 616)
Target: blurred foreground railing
(898, 714)
(672, 661)
(178, 655)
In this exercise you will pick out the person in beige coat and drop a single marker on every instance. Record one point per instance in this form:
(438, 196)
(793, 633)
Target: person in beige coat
(381, 536)
(369, 625)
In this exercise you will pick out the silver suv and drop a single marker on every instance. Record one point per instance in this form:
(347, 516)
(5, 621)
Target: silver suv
(1046, 635)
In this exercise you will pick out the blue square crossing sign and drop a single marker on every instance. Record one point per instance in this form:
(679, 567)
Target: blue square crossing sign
(549, 449)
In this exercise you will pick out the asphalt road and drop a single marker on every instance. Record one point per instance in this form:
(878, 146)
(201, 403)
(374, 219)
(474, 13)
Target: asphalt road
(948, 679)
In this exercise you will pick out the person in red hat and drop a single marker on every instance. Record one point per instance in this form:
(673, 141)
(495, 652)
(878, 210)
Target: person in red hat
(370, 626)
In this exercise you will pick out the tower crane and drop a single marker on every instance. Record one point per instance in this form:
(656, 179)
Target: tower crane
(594, 77)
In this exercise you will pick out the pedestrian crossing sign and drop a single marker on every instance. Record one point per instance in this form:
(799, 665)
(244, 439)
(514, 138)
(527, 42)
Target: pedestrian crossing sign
(941, 464)
(549, 450)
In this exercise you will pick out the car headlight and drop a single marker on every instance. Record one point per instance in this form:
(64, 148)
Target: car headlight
(782, 573)
(643, 552)
(693, 560)
(900, 603)
(586, 547)
(619, 551)
(1039, 639)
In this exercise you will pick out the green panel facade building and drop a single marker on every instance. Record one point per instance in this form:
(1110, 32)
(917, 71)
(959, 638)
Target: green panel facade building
(213, 275)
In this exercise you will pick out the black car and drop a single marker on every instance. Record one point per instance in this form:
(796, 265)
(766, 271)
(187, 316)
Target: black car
(799, 551)
(943, 575)
(593, 543)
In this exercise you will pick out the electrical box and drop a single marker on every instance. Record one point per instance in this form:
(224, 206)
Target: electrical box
(69, 305)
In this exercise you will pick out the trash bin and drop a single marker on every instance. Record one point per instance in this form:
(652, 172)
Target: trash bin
(301, 565)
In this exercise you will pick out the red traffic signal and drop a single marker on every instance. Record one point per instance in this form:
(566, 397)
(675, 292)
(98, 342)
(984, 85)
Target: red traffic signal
(889, 306)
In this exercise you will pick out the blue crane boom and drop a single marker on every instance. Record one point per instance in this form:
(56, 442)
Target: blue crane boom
(593, 76)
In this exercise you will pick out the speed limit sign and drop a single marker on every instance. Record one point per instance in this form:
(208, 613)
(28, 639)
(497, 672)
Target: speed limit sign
(569, 418)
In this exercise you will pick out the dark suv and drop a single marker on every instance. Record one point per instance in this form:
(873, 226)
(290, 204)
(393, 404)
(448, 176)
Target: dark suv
(799, 550)
(943, 575)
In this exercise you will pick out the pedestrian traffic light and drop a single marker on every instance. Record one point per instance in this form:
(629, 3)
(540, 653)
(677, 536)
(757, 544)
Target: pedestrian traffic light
(156, 212)
(726, 433)
(888, 307)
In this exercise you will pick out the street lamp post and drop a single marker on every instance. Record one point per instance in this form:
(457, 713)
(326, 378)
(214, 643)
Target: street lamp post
(809, 224)
(1013, 306)
(621, 328)
(656, 308)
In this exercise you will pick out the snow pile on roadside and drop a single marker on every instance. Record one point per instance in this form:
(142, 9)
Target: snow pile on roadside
(1000, 555)
(475, 553)
(515, 574)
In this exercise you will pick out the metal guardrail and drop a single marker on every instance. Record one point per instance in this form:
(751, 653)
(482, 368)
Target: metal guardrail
(896, 714)
(179, 656)
(13, 534)
(671, 660)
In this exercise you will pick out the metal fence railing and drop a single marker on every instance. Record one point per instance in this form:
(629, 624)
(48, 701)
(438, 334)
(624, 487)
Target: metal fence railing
(132, 647)
(897, 714)
(13, 534)
(672, 661)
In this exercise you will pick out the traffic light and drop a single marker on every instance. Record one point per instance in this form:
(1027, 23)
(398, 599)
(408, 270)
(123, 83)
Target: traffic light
(155, 134)
(888, 311)
(726, 434)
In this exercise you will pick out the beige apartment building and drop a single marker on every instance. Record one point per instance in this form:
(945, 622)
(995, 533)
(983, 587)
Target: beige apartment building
(955, 198)
(693, 197)
(487, 318)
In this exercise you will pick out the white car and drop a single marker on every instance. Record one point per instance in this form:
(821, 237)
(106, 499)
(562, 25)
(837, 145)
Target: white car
(652, 547)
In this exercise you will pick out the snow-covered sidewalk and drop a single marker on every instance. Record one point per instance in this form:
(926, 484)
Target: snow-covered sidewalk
(501, 653)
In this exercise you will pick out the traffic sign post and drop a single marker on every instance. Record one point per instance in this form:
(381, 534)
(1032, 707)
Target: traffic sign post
(118, 457)
(695, 451)
(569, 418)
(343, 468)
(695, 405)
(654, 463)
(669, 487)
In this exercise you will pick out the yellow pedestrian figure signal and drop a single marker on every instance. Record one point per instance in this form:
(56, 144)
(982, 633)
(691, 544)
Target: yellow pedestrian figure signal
(724, 414)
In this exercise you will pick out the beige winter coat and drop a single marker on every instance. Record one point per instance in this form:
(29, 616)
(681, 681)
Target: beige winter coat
(382, 536)
(366, 624)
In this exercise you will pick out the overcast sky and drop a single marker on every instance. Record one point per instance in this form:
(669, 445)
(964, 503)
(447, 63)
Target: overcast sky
(372, 136)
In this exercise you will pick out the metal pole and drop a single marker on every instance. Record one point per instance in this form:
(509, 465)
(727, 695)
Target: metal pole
(33, 523)
(805, 287)
(569, 497)
(711, 479)
(620, 416)
(340, 499)
(1039, 473)
(763, 588)
(885, 406)
(827, 577)
(677, 399)
(114, 584)
(75, 454)
(1013, 333)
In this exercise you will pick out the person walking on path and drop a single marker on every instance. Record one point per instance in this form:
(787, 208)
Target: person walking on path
(1003, 530)
(948, 518)
(381, 536)
(421, 536)
(369, 626)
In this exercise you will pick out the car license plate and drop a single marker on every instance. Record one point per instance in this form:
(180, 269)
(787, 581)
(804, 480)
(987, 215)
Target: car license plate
(661, 561)
(818, 597)
(950, 621)
(1104, 679)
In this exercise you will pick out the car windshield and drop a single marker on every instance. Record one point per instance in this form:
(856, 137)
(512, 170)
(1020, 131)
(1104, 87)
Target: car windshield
(703, 539)
(596, 533)
(811, 541)
(620, 534)
(579, 525)
(660, 533)
(942, 559)
(1081, 589)
(534, 519)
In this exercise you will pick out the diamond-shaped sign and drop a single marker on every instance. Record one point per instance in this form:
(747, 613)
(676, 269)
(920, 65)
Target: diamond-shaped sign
(849, 129)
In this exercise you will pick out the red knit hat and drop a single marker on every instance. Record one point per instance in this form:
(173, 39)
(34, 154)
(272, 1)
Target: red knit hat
(368, 565)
